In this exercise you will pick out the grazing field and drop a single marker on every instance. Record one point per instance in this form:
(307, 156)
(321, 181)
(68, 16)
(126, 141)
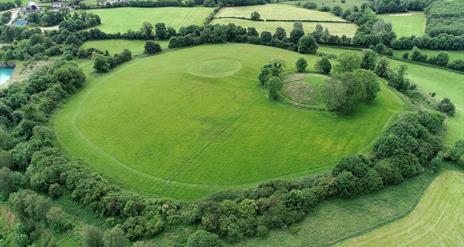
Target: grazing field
(170, 125)
(406, 24)
(278, 12)
(438, 219)
(339, 29)
(331, 3)
(443, 82)
(123, 19)
(117, 45)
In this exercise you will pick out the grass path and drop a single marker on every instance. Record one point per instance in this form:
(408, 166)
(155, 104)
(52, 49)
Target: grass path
(438, 219)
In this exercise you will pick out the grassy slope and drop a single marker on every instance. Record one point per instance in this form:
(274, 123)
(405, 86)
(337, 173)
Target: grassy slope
(330, 3)
(340, 29)
(278, 12)
(444, 83)
(123, 19)
(191, 136)
(334, 220)
(438, 219)
(117, 45)
(407, 24)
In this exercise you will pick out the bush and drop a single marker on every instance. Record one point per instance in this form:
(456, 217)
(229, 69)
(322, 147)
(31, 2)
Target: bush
(255, 16)
(301, 65)
(310, 5)
(152, 47)
(325, 9)
(203, 238)
(307, 45)
(324, 66)
(446, 106)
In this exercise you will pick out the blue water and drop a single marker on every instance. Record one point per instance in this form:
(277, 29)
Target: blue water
(5, 74)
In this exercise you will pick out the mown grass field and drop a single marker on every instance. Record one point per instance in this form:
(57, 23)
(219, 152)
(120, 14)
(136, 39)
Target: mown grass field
(123, 19)
(340, 29)
(438, 219)
(331, 3)
(443, 82)
(406, 24)
(117, 45)
(170, 125)
(278, 12)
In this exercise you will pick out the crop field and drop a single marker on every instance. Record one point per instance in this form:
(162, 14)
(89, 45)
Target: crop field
(443, 82)
(224, 116)
(278, 12)
(340, 29)
(331, 3)
(438, 219)
(117, 45)
(406, 24)
(123, 19)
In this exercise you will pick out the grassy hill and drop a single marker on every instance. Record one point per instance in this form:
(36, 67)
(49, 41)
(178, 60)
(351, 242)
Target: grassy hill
(177, 127)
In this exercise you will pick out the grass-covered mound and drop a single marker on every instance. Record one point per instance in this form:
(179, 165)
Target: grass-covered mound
(123, 19)
(155, 127)
(406, 24)
(304, 88)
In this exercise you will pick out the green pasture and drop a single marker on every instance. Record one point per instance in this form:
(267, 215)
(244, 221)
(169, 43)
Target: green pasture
(123, 19)
(438, 219)
(278, 12)
(117, 45)
(339, 29)
(170, 125)
(331, 3)
(406, 24)
(442, 82)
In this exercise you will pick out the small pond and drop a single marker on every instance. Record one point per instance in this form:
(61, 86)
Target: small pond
(5, 74)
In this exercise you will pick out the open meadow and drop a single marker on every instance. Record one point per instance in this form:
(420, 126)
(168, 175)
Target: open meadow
(123, 19)
(445, 83)
(438, 219)
(339, 29)
(224, 116)
(406, 24)
(278, 12)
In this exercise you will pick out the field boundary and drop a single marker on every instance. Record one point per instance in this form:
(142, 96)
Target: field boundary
(282, 20)
(395, 218)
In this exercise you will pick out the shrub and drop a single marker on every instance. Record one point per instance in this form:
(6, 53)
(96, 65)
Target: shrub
(255, 16)
(301, 65)
(446, 106)
(203, 238)
(152, 47)
(307, 45)
(310, 5)
(324, 65)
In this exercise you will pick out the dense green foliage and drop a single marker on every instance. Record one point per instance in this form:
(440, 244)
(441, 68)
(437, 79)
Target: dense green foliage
(103, 63)
(445, 17)
(392, 6)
